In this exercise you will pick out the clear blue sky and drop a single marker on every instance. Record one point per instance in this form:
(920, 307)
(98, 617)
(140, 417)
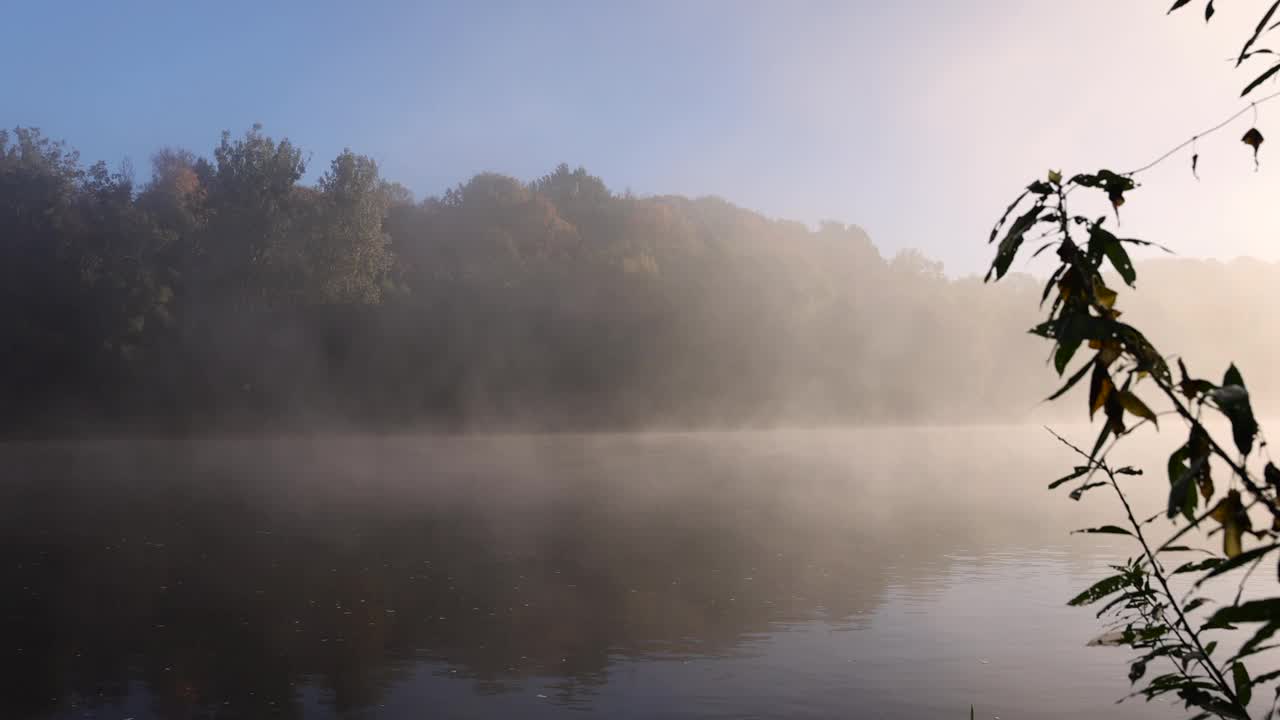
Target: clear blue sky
(909, 117)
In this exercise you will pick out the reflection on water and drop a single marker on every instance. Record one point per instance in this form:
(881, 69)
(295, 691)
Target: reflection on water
(885, 573)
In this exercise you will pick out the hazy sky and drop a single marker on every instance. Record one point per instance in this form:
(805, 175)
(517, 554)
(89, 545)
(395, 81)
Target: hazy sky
(915, 119)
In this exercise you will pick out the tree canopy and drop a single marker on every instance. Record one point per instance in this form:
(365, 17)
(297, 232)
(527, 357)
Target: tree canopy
(225, 289)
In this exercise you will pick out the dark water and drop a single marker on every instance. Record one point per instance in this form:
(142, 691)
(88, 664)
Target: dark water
(877, 574)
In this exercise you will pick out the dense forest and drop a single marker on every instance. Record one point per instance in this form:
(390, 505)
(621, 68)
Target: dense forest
(223, 291)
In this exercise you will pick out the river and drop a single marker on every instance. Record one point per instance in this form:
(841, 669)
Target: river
(864, 573)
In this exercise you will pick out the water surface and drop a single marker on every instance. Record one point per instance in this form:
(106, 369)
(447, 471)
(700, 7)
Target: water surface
(884, 573)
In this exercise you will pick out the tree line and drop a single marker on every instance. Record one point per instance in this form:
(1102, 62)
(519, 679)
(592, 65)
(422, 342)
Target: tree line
(225, 290)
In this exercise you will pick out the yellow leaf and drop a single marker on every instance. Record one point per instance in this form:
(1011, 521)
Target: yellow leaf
(1230, 513)
(1106, 296)
(1055, 177)
(1205, 482)
(1104, 390)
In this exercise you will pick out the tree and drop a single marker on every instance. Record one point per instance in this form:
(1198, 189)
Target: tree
(350, 255)
(251, 247)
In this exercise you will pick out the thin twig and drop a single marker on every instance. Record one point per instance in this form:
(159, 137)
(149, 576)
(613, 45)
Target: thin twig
(1251, 106)
(1205, 661)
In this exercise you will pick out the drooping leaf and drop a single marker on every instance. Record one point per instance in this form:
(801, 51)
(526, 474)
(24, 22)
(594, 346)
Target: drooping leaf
(1111, 638)
(1119, 258)
(1113, 184)
(1071, 382)
(1077, 472)
(1190, 567)
(1230, 513)
(1102, 439)
(1265, 76)
(1099, 590)
(1233, 400)
(995, 231)
(1253, 139)
(1260, 636)
(1262, 26)
(1100, 387)
(1066, 348)
(1012, 241)
(1244, 558)
(1191, 606)
(1080, 491)
(1182, 494)
(1204, 481)
(1266, 677)
(1048, 286)
(1244, 687)
(1104, 530)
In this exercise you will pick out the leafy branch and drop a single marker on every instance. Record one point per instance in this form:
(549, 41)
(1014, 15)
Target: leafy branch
(1145, 613)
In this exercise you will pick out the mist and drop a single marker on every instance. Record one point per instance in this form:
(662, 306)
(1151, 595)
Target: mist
(532, 447)
(395, 360)
(224, 293)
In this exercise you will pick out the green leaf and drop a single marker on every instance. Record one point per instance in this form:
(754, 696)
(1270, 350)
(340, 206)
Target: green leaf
(1262, 635)
(1243, 558)
(1048, 286)
(1012, 241)
(1266, 677)
(1266, 75)
(1102, 439)
(1072, 382)
(1080, 491)
(1244, 688)
(1077, 472)
(1262, 26)
(1099, 590)
(1104, 530)
(1233, 400)
(1267, 610)
(1182, 491)
(1192, 605)
(1119, 258)
(1066, 348)
(1005, 217)
(1190, 567)
(1233, 376)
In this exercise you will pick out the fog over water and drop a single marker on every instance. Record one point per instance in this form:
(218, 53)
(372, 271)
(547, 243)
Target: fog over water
(860, 573)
